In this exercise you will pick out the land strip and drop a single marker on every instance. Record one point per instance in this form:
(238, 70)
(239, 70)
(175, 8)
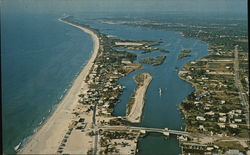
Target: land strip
(103, 93)
(136, 104)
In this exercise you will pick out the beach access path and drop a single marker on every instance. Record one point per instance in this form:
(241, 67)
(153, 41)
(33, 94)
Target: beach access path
(49, 136)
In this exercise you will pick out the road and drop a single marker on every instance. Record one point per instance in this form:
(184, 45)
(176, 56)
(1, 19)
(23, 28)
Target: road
(176, 132)
(95, 137)
(238, 84)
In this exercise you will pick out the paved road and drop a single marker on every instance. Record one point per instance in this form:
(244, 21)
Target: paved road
(95, 137)
(238, 84)
(176, 132)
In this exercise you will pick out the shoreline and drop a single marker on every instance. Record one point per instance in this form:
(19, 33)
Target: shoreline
(135, 114)
(48, 137)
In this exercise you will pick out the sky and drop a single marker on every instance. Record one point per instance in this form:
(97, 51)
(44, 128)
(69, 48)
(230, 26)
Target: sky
(196, 6)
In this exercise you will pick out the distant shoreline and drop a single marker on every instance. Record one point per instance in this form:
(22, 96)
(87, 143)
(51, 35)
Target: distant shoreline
(47, 139)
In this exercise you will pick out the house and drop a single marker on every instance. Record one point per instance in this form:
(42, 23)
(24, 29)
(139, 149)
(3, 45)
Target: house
(233, 126)
(100, 102)
(222, 114)
(221, 125)
(238, 120)
(196, 102)
(210, 148)
(189, 77)
(223, 119)
(200, 118)
(204, 78)
(238, 111)
(206, 108)
(126, 62)
(210, 113)
(183, 138)
(201, 127)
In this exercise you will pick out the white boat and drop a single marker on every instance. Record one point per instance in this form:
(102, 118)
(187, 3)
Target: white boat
(160, 91)
(17, 147)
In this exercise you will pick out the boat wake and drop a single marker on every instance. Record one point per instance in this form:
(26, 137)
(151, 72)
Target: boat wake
(17, 148)
(160, 91)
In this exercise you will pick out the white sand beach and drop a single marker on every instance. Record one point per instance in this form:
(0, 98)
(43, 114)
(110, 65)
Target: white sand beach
(136, 111)
(50, 135)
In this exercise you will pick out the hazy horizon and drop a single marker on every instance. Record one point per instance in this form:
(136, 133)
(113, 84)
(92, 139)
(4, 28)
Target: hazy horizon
(230, 7)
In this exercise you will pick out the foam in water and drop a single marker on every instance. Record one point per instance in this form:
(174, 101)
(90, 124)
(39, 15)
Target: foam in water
(16, 148)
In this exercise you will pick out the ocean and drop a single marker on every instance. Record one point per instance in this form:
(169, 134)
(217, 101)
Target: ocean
(40, 58)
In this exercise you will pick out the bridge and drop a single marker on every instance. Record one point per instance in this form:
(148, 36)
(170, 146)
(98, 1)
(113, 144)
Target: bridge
(165, 131)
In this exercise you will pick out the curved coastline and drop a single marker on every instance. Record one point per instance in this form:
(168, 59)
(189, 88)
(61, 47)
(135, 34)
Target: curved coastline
(47, 139)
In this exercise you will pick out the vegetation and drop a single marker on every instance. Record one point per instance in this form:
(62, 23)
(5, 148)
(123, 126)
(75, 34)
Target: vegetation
(184, 53)
(153, 61)
(164, 50)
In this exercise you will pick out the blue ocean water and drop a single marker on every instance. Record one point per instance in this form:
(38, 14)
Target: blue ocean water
(40, 58)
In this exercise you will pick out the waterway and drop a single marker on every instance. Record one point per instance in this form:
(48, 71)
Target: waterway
(160, 111)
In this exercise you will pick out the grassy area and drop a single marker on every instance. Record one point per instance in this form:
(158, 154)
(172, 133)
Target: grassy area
(230, 145)
(153, 61)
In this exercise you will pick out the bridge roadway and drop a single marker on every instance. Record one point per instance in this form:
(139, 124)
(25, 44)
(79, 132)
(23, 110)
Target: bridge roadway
(165, 130)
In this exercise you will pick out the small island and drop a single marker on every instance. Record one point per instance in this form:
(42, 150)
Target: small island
(184, 53)
(186, 50)
(163, 50)
(153, 61)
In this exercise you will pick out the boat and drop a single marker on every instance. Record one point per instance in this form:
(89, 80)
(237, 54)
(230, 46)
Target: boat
(160, 91)
(17, 147)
